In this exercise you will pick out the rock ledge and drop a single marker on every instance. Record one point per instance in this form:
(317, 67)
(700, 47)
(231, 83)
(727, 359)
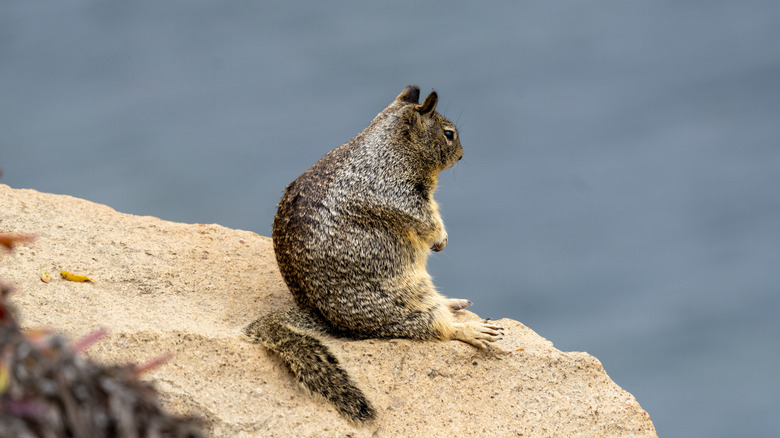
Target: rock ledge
(188, 289)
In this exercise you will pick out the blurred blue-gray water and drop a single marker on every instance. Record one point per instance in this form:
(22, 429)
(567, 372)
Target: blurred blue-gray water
(620, 191)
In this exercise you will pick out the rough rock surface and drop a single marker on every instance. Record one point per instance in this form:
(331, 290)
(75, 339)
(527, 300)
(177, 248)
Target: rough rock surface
(188, 289)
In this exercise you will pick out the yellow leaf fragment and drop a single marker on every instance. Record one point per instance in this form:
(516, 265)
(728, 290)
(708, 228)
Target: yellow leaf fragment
(45, 277)
(74, 277)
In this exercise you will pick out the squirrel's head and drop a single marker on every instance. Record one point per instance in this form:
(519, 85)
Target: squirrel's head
(433, 136)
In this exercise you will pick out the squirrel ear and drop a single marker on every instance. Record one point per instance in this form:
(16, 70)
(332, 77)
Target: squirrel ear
(411, 94)
(429, 105)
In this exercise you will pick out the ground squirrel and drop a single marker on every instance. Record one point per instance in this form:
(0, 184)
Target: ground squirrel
(351, 237)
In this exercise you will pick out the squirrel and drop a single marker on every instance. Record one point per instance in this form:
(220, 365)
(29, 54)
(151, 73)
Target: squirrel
(351, 236)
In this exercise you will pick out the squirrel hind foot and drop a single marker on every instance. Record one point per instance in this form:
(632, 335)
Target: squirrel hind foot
(476, 333)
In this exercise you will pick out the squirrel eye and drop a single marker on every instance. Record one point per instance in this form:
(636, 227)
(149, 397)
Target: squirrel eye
(450, 134)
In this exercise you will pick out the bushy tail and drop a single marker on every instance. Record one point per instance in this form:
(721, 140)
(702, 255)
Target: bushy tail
(295, 336)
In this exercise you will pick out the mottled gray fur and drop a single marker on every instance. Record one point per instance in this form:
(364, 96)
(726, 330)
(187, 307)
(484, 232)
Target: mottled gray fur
(352, 236)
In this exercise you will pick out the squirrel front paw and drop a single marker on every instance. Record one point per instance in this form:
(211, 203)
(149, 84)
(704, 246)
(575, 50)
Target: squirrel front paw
(456, 304)
(441, 243)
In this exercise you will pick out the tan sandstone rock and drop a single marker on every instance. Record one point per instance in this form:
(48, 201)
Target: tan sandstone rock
(188, 289)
